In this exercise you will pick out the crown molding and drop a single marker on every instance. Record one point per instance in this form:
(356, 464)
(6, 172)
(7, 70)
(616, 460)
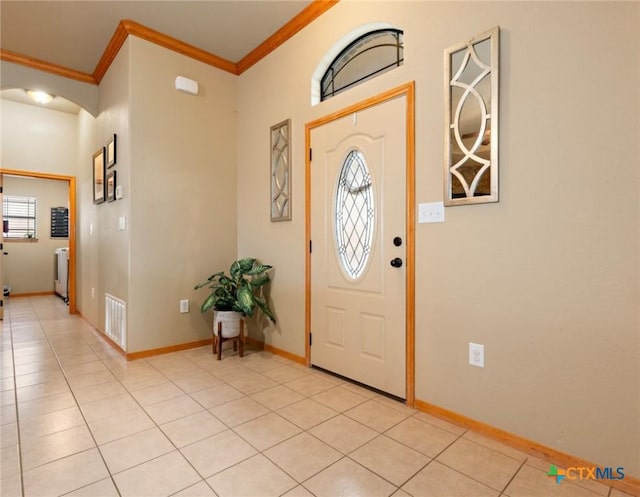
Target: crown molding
(42, 65)
(128, 27)
(109, 54)
(310, 13)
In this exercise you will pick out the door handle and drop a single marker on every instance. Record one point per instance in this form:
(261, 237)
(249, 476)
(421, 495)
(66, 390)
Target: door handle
(397, 262)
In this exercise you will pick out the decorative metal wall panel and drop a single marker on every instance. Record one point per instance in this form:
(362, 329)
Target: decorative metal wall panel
(281, 171)
(471, 134)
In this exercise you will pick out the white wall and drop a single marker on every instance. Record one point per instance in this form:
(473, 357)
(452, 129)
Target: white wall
(39, 140)
(547, 278)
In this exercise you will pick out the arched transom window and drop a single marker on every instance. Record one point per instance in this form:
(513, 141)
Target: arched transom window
(371, 54)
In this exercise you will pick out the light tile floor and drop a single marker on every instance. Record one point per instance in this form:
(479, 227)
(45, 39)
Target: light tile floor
(77, 419)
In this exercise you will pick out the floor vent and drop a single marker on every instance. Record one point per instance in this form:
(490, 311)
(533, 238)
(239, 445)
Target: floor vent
(116, 320)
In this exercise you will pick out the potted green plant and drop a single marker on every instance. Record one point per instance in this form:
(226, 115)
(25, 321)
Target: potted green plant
(236, 294)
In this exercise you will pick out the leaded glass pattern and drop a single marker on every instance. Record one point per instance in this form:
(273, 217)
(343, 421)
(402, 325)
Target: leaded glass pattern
(354, 214)
(370, 55)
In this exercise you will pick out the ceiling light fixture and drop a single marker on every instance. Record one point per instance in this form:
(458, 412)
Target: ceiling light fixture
(40, 96)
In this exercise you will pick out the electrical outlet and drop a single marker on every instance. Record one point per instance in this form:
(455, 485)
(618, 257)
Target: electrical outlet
(184, 306)
(476, 354)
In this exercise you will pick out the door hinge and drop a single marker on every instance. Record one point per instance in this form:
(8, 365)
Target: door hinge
(310, 246)
(310, 154)
(1, 191)
(310, 339)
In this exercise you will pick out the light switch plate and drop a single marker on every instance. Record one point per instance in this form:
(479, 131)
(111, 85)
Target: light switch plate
(431, 212)
(118, 192)
(184, 306)
(122, 223)
(476, 354)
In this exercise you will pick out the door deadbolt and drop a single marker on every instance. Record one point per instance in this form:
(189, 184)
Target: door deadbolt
(397, 241)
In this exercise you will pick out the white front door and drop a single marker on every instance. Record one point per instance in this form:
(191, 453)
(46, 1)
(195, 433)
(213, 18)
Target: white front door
(358, 224)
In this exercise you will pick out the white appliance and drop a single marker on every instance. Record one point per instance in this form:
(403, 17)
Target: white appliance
(61, 273)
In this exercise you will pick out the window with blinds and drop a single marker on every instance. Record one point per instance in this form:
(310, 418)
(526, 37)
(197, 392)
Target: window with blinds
(19, 217)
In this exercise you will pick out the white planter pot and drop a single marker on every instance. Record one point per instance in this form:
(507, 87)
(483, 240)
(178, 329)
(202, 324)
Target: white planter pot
(230, 323)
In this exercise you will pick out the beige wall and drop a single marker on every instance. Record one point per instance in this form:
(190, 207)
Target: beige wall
(176, 163)
(29, 266)
(547, 279)
(103, 261)
(19, 76)
(183, 198)
(86, 244)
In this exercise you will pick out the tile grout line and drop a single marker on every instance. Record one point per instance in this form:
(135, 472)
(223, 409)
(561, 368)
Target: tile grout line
(346, 456)
(272, 411)
(178, 449)
(232, 429)
(504, 489)
(66, 379)
(155, 367)
(474, 478)
(15, 396)
(435, 458)
(228, 428)
(343, 455)
(157, 426)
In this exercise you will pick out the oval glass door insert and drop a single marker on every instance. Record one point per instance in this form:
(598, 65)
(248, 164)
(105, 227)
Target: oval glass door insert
(354, 215)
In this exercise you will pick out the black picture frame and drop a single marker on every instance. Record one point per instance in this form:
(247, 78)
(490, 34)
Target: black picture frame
(111, 152)
(111, 186)
(98, 176)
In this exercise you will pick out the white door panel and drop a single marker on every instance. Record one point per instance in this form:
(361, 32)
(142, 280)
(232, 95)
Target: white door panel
(358, 310)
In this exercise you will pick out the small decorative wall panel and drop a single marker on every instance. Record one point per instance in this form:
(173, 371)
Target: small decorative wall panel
(281, 171)
(471, 123)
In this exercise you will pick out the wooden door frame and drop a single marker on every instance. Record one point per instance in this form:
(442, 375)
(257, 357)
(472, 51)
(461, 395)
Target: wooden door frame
(407, 90)
(71, 180)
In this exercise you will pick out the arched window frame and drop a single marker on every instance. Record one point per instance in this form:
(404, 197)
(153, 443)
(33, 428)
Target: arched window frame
(351, 53)
(345, 43)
